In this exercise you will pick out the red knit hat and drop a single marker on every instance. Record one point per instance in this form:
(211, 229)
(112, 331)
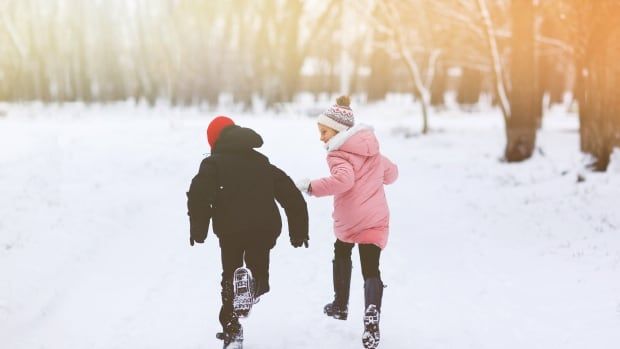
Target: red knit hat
(215, 128)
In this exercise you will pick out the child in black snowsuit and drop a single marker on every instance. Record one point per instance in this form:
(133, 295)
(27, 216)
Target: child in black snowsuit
(237, 188)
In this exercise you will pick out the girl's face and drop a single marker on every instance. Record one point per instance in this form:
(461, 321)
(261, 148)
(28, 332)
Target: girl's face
(326, 133)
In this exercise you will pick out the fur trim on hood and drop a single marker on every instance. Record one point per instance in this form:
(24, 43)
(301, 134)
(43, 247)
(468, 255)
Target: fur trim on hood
(340, 139)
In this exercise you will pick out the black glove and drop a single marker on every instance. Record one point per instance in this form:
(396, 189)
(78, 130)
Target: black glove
(297, 242)
(192, 240)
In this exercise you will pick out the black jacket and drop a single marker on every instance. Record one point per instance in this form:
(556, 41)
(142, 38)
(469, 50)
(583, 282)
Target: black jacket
(237, 187)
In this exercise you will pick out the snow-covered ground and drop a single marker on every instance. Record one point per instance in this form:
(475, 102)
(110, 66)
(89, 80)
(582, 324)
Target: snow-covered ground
(94, 248)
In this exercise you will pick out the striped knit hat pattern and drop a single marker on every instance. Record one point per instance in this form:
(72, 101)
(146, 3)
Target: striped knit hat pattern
(339, 117)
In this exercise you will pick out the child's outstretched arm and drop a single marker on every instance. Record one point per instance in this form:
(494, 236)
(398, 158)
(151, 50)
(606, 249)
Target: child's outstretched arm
(295, 207)
(390, 173)
(200, 200)
(342, 178)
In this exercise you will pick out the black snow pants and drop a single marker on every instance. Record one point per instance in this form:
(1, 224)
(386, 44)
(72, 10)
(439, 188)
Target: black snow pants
(256, 259)
(369, 257)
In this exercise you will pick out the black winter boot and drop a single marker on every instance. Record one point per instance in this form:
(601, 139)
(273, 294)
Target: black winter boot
(232, 335)
(226, 312)
(339, 308)
(373, 293)
(232, 332)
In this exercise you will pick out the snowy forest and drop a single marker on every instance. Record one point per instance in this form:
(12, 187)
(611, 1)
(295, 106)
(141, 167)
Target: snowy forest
(492, 139)
(525, 55)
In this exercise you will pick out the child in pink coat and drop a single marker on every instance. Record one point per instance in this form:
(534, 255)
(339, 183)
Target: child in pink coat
(361, 215)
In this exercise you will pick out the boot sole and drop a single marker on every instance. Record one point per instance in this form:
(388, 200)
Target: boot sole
(243, 293)
(343, 318)
(371, 335)
(234, 345)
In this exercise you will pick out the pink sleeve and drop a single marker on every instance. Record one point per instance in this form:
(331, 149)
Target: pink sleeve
(341, 179)
(391, 171)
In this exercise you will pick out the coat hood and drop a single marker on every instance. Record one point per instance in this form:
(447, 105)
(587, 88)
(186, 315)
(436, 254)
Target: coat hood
(359, 139)
(238, 138)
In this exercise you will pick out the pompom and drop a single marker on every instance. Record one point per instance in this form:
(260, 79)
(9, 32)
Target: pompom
(343, 101)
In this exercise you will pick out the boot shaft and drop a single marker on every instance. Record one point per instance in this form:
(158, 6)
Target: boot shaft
(342, 281)
(373, 295)
(373, 292)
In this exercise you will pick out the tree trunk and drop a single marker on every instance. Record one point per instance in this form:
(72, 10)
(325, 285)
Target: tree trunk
(614, 86)
(470, 87)
(291, 60)
(598, 53)
(539, 91)
(438, 87)
(494, 55)
(599, 141)
(579, 92)
(420, 90)
(602, 98)
(521, 125)
(380, 72)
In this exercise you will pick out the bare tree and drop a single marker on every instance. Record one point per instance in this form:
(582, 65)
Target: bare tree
(192, 51)
(411, 38)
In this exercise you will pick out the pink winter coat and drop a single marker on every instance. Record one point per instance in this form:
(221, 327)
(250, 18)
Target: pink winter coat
(358, 173)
